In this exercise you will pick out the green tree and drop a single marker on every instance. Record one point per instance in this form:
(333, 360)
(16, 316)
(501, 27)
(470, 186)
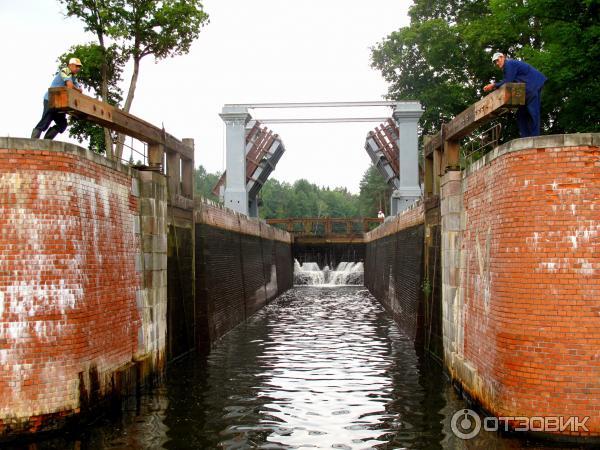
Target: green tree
(305, 199)
(204, 182)
(98, 17)
(162, 29)
(443, 57)
(374, 193)
(138, 28)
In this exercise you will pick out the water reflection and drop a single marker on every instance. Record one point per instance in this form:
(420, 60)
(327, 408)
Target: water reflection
(318, 368)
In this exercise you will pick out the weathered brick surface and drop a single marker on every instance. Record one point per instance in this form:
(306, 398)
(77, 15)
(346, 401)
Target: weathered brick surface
(68, 280)
(530, 280)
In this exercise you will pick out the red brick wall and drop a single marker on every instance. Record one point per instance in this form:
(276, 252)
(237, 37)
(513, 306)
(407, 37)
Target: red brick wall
(68, 283)
(531, 282)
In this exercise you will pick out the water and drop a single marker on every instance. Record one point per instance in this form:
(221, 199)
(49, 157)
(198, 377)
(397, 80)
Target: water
(346, 273)
(320, 367)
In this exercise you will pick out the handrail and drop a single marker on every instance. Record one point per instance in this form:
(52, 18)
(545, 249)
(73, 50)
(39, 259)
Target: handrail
(441, 150)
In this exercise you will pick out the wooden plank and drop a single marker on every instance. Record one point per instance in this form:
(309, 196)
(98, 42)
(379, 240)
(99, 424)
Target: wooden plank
(434, 143)
(508, 96)
(79, 105)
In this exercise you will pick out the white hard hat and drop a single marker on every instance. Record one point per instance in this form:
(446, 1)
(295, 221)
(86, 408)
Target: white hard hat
(496, 56)
(75, 61)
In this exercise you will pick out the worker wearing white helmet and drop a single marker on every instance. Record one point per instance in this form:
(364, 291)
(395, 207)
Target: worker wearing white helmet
(528, 115)
(66, 77)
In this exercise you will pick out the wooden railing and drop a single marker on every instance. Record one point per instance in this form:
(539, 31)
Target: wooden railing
(326, 226)
(179, 154)
(442, 150)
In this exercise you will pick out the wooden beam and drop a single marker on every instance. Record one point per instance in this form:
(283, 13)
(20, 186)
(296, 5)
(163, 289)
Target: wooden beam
(79, 105)
(508, 96)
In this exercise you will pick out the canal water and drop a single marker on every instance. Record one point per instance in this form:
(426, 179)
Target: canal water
(319, 367)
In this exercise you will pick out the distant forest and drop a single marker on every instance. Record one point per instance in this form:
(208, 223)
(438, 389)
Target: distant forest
(306, 199)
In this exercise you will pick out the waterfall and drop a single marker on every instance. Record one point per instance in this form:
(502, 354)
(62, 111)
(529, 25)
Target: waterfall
(345, 273)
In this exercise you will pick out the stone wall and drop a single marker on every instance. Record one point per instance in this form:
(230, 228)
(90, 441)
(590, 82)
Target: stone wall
(394, 268)
(241, 264)
(521, 279)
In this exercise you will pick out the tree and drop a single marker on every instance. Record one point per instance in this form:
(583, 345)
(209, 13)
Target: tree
(163, 29)
(138, 28)
(204, 183)
(305, 199)
(90, 77)
(98, 17)
(443, 57)
(374, 193)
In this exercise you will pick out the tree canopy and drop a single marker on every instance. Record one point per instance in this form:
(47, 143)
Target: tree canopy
(443, 58)
(129, 30)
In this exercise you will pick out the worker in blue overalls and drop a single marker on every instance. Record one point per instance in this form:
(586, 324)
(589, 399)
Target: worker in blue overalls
(528, 115)
(66, 77)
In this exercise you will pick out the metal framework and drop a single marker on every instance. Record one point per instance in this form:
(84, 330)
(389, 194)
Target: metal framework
(325, 120)
(358, 104)
(399, 145)
(263, 151)
(382, 147)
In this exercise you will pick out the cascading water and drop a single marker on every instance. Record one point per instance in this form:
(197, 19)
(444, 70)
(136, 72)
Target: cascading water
(310, 274)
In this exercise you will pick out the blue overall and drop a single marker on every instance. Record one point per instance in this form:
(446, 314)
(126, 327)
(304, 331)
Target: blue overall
(49, 115)
(528, 115)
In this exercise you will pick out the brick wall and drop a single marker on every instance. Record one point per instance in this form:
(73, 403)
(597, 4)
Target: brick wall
(69, 280)
(394, 268)
(526, 312)
(241, 264)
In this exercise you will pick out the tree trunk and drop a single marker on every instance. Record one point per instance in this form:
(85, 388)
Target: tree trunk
(108, 147)
(128, 102)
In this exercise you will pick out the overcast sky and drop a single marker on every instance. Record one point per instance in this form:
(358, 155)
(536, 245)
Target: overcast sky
(250, 52)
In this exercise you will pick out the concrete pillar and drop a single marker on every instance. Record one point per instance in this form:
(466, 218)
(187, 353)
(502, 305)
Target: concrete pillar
(236, 195)
(407, 116)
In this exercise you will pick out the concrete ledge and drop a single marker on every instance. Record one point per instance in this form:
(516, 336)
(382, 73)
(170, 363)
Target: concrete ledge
(550, 141)
(410, 217)
(209, 213)
(10, 143)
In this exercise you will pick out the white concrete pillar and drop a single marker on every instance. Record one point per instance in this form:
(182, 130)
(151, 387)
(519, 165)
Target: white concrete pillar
(236, 195)
(407, 115)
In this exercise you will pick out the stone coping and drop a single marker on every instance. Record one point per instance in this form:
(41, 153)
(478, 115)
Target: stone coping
(212, 214)
(410, 217)
(46, 145)
(550, 141)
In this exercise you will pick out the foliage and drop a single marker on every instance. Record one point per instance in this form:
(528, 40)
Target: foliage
(305, 199)
(90, 78)
(137, 28)
(204, 183)
(374, 193)
(443, 57)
